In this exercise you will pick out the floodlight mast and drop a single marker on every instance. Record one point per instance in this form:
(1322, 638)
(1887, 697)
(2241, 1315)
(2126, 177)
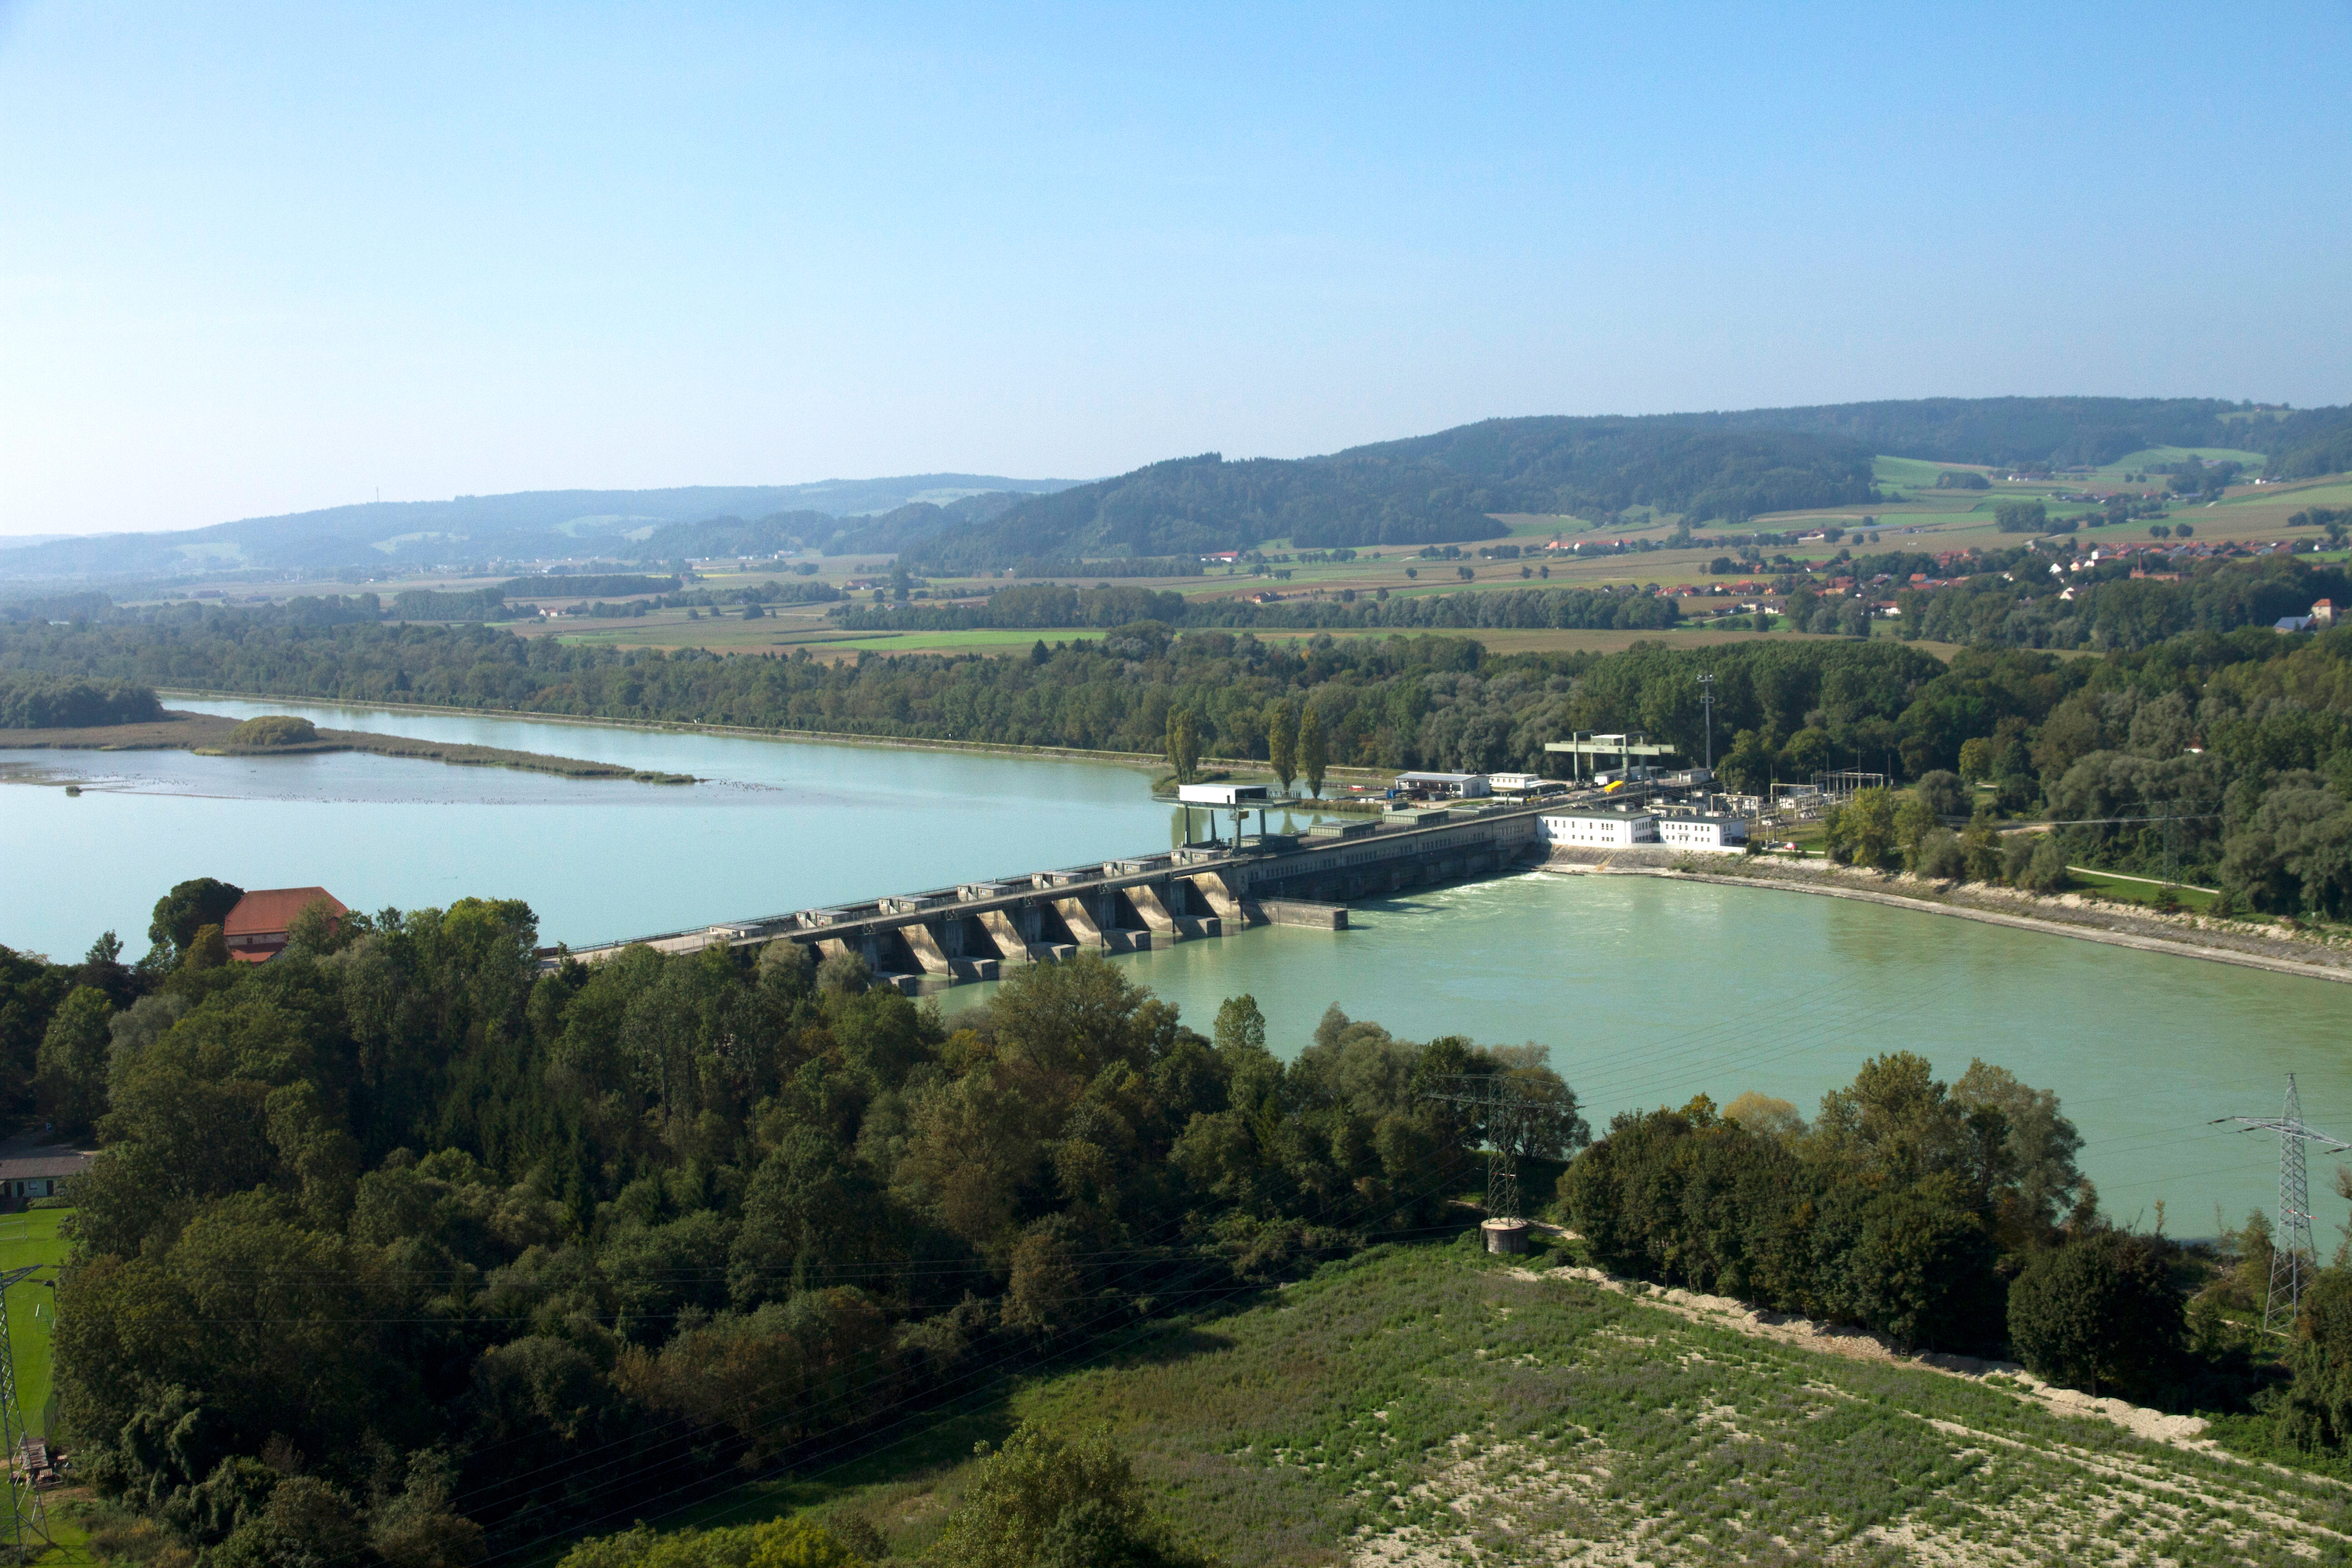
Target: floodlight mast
(2291, 1242)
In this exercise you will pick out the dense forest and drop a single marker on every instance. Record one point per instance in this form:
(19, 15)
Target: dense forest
(2047, 432)
(1048, 607)
(43, 702)
(450, 1245)
(1430, 489)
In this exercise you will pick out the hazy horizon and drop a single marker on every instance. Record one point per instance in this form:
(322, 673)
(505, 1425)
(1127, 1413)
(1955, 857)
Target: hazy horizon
(275, 260)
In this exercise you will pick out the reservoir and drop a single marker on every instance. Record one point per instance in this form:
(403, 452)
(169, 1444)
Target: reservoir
(1646, 992)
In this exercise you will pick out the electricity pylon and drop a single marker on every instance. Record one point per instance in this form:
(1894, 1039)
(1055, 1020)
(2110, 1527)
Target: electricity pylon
(27, 1523)
(1506, 1114)
(2291, 1243)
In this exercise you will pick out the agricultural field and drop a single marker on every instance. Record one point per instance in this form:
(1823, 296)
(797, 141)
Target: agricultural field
(1429, 1405)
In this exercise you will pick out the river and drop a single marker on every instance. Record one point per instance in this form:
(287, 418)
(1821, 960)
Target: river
(1646, 992)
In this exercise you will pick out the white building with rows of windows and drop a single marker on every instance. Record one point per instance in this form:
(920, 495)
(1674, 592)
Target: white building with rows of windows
(1702, 832)
(1616, 830)
(1601, 830)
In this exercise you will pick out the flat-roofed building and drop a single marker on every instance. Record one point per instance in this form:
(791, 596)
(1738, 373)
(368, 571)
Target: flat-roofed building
(1600, 830)
(255, 929)
(1445, 786)
(1223, 794)
(1702, 832)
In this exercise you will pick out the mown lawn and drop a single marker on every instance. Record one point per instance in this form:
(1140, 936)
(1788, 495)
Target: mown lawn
(2137, 890)
(1416, 1401)
(25, 1239)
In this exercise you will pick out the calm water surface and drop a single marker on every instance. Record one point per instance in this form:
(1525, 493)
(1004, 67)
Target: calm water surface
(1647, 992)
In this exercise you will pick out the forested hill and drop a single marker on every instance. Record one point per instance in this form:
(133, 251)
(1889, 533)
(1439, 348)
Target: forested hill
(526, 525)
(1425, 491)
(2064, 432)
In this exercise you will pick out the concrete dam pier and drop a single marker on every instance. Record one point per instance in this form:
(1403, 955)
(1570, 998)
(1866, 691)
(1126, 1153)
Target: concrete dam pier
(929, 941)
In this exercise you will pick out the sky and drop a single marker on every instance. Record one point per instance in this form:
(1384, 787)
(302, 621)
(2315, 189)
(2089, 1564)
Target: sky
(258, 260)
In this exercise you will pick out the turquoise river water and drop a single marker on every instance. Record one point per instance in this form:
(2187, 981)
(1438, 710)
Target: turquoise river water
(1645, 991)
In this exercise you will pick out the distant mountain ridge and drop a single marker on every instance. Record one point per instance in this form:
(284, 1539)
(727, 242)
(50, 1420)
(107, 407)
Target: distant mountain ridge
(1706, 466)
(527, 524)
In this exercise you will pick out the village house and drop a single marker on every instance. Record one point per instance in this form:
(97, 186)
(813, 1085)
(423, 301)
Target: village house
(29, 1170)
(256, 928)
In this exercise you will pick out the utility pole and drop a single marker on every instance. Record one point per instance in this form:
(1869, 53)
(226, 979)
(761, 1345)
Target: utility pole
(2290, 1239)
(1706, 702)
(27, 1524)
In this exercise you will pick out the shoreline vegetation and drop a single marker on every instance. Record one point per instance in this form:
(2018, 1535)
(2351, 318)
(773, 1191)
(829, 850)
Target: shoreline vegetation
(217, 736)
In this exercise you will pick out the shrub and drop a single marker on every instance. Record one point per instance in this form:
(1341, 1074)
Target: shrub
(274, 729)
(1042, 1502)
(1941, 856)
(1943, 793)
(778, 1543)
(2100, 1313)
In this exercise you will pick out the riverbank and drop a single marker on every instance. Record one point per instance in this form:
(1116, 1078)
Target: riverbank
(2313, 954)
(212, 735)
(1241, 765)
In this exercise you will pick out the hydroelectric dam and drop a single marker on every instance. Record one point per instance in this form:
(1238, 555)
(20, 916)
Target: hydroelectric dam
(930, 941)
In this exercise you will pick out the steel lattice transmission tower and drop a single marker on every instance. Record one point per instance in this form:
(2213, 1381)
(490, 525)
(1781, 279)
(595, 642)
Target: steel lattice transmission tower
(28, 1525)
(1513, 1115)
(2290, 1246)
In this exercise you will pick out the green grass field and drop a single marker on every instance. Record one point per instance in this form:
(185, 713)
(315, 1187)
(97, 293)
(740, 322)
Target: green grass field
(25, 1239)
(1429, 1405)
(2137, 890)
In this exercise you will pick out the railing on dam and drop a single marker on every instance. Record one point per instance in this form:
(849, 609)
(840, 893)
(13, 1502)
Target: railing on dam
(975, 930)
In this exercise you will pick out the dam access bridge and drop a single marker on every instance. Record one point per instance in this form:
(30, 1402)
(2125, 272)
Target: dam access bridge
(929, 942)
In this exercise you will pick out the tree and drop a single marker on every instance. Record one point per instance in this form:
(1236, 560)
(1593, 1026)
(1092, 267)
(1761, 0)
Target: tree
(1980, 847)
(1914, 820)
(180, 913)
(1942, 793)
(1313, 752)
(2021, 517)
(1282, 740)
(1041, 1501)
(2098, 1315)
(1975, 758)
(1184, 743)
(1862, 832)
(1240, 1025)
(1747, 767)
(71, 1077)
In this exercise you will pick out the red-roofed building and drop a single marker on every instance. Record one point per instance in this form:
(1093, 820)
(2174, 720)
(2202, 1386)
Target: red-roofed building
(255, 929)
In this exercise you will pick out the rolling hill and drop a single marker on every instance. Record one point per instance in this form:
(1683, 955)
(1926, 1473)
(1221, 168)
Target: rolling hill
(527, 525)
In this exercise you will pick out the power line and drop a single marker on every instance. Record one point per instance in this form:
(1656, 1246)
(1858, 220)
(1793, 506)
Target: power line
(2293, 1242)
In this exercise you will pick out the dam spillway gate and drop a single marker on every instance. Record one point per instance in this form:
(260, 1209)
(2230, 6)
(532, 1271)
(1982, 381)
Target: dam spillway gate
(975, 931)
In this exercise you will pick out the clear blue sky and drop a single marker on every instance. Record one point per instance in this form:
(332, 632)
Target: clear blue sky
(257, 259)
